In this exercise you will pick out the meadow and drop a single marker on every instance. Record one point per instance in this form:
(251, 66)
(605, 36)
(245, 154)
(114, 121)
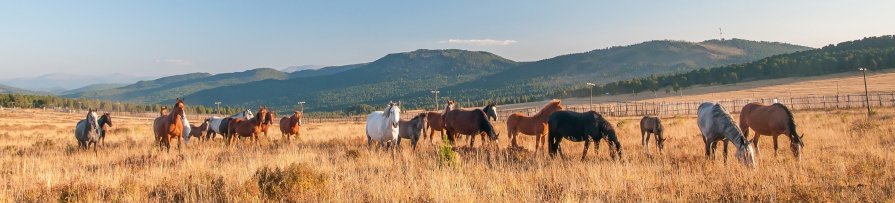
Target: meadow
(847, 158)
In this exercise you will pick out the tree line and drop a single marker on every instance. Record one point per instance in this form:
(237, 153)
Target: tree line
(54, 102)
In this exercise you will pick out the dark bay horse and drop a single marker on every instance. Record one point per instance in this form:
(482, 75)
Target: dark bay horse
(412, 129)
(291, 125)
(198, 131)
(652, 125)
(532, 125)
(771, 120)
(170, 126)
(467, 122)
(105, 123)
(248, 128)
(87, 131)
(716, 126)
(435, 122)
(581, 127)
(491, 111)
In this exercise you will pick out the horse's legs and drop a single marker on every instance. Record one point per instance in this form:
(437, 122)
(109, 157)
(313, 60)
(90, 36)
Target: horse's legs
(471, 139)
(708, 150)
(714, 148)
(755, 142)
(725, 150)
(646, 136)
(775, 145)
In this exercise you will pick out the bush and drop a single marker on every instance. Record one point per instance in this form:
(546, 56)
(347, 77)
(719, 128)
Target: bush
(446, 155)
(295, 182)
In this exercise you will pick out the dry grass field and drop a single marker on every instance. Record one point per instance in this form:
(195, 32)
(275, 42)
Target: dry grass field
(846, 158)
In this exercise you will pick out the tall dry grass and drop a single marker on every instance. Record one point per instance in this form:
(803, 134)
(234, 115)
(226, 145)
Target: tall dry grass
(846, 158)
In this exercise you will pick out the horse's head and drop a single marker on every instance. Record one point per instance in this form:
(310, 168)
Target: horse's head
(746, 154)
(491, 111)
(92, 121)
(449, 106)
(297, 115)
(394, 114)
(179, 108)
(796, 145)
(247, 114)
(605, 129)
(106, 119)
(269, 117)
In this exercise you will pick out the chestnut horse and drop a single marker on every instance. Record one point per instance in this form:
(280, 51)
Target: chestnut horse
(467, 122)
(271, 115)
(248, 128)
(291, 125)
(170, 126)
(532, 125)
(434, 122)
(771, 120)
(651, 125)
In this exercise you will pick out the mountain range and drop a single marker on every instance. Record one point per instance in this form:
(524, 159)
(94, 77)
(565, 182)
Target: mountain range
(459, 74)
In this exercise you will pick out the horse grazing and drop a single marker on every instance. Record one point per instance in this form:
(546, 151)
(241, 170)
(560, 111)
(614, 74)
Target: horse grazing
(218, 125)
(411, 129)
(771, 120)
(651, 125)
(87, 131)
(383, 126)
(532, 125)
(170, 126)
(290, 125)
(199, 130)
(467, 122)
(104, 120)
(578, 127)
(491, 111)
(717, 125)
(247, 128)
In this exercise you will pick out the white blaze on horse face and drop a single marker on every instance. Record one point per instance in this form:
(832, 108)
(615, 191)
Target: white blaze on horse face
(745, 154)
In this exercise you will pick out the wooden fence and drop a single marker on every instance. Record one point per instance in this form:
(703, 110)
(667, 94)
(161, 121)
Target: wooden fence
(621, 109)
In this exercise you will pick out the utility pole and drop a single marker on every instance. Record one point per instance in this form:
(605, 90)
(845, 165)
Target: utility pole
(219, 107)
(436, 98)
(866, 93)
(302, 104)
(591, 86)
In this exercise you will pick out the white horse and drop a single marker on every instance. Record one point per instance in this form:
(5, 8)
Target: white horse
(186, 128)
(383, 126)
(87, 131)
(216, 123)
(717, 125)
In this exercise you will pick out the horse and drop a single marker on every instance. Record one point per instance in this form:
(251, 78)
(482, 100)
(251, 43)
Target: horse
(87, 131)
(652, 125)
(532, 125)
(170, 126)
(491, 111)
(104, 120)
(383, 126)
(771, 120)
(199, 130)
(411, 129)
(716, 125)
(218, 125)
(467, 122)
(434, 122)
(268, 121)
(290, 125)
(247, 128)
(578, 127)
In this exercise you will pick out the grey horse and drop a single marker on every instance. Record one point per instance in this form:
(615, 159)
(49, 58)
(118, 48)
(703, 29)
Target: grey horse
(411, 129)
(87, 131)
(652, 125)
(717, 125)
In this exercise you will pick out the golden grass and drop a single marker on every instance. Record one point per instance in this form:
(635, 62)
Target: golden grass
(846, 158)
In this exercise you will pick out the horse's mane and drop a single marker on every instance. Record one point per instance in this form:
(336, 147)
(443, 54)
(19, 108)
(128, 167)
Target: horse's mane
(730, 127)
(790, 123)
(553, 106)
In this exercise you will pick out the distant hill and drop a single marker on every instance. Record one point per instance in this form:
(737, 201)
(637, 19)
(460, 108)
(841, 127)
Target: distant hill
(291, 69)
(61, 82)
(6, 89)
(323, 71)
(171, 87)
(388, 78)
(618, 63)
(93, 87)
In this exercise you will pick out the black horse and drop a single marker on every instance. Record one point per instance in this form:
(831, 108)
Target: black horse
(577, 127)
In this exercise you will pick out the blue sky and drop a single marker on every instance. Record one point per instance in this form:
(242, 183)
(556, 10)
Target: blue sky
(172, 37)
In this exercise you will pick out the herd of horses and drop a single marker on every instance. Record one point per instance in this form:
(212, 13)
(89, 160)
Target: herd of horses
(549, 126)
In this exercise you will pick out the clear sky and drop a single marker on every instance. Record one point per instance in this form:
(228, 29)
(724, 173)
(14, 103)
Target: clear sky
(172, 37)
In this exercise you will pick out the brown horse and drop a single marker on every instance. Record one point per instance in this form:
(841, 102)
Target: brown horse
(291, 125)
(170, 126)
(268, 122)
(771, 120)
(247, 128)
(467, 122)
(651, 125)
(434, 122)
(198, 131)
(532, 125)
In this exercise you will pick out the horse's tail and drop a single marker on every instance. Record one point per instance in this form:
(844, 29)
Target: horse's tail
(790, 122)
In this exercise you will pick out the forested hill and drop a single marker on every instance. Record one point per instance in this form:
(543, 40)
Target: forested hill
(872, 52)
(601, 66)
